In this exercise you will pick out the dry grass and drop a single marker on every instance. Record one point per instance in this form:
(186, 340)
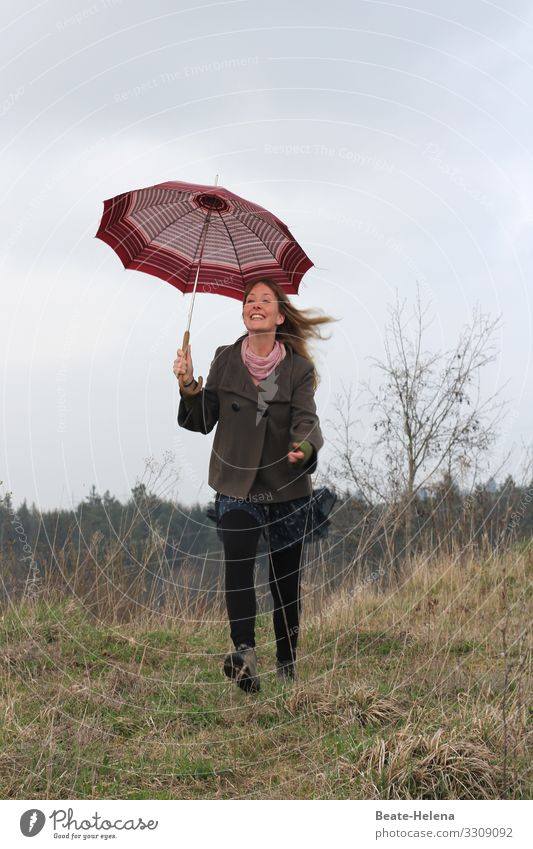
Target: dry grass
(437, 766)
(357, 704)
(420, 690)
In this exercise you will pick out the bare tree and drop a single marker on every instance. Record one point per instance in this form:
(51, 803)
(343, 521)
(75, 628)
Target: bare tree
(428, 416)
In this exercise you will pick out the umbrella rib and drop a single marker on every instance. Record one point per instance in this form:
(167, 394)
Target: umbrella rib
(233, 246)
(258, 237)
(197, 248)
(180, 218)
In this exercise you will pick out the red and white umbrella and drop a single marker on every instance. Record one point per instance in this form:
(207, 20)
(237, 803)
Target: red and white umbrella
(173, 229)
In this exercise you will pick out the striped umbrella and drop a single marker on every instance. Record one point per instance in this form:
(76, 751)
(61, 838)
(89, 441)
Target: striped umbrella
(201, 238)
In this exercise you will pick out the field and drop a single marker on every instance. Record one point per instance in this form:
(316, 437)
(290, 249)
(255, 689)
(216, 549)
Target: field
(419, 690)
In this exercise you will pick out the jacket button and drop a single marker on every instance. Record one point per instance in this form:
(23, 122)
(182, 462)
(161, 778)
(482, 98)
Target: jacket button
(235, 406)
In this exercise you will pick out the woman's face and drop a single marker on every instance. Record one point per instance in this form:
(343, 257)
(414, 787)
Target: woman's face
(260, 313)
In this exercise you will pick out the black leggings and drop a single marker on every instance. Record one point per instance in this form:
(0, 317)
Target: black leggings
(240, 534)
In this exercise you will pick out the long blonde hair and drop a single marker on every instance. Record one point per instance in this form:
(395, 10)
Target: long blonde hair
(300, 325)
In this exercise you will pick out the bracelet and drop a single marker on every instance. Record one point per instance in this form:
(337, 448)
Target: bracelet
(185, 385)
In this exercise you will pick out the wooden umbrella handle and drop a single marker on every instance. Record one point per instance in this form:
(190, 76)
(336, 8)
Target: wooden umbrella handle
(200, 381)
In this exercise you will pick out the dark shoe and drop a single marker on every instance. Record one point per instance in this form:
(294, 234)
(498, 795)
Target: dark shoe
(285, 670)
(241, 665)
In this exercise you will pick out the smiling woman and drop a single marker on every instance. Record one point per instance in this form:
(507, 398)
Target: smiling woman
(260, 394)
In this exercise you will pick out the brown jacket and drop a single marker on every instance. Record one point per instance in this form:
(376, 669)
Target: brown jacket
(256, 425)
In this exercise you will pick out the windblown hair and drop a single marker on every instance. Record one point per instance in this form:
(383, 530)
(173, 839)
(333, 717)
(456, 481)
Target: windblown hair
(300, 325)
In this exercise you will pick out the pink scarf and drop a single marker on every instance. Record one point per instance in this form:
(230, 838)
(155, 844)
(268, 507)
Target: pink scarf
(260, 367)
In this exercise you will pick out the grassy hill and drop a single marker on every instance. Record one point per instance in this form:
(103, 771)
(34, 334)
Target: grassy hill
(416, 691)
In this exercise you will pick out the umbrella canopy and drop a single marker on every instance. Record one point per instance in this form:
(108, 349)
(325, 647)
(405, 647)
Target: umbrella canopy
(180, 231)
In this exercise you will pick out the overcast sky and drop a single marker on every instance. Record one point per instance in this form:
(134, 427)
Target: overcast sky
(395, 141)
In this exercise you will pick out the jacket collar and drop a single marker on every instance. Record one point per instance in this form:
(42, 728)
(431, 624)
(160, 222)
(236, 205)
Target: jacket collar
(237, 378)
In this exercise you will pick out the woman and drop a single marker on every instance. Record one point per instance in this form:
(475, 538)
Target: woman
(260, 393)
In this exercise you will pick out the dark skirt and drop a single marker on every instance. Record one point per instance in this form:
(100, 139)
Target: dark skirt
(284, 523)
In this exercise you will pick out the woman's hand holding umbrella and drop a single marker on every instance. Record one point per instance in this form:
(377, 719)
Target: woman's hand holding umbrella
(183, 369)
